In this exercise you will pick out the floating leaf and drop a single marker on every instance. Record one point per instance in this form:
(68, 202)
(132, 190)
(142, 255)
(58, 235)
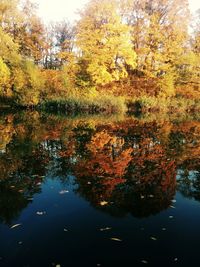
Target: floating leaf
(15, 225)
(40, 213)
(63, 192)
(103, 203)
(105, 229)
(144, 261)
(153, 238)
(116, 239)
(171, 217)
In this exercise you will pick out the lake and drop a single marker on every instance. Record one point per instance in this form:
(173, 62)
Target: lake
(99, 191)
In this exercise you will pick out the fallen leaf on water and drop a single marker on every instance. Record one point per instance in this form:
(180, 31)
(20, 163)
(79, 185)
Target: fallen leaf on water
(63, 192)
(105, 229)
(144, 261)
(103, 203)
(171, 217)
(116, 239)
(20, 242)
(40, 213)
(15, 225)
(153, 238)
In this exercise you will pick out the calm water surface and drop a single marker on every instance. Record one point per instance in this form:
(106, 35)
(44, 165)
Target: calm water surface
(94, 191)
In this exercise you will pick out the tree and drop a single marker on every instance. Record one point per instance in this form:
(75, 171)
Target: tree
(104, 43)
(4, 78)
(159, 28)
(64, 44)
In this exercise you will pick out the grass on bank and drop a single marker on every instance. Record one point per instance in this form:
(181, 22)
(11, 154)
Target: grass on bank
(88, 102)
(147, 104)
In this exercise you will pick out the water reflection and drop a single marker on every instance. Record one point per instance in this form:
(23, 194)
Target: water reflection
(120, 166)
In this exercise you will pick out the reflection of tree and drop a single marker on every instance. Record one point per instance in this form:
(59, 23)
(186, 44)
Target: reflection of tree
(123, 167)
(140, 180)
(6, 132)
(21, 181)
(12, 203)
(107, 161)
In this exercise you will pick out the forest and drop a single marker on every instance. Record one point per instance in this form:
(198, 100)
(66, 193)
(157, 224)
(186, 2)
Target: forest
(119, 55)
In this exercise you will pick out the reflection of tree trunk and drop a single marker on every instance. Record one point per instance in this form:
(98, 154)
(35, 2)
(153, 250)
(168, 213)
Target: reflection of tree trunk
(113, 152)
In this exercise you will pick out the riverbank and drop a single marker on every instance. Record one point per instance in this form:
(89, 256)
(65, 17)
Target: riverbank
(109, 104)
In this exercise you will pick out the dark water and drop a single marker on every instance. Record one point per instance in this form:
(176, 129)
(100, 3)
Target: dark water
(99, 191)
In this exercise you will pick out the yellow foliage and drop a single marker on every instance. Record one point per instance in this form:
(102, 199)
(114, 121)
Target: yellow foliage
(104, 42)
(4, 78)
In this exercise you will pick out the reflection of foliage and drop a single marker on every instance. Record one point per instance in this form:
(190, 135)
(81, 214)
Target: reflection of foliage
(107, 156)
(11, 204)
(120, 167)
(141, 182)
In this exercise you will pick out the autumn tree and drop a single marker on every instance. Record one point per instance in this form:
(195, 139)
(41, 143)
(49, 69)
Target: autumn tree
(103, 43)
(159, 28)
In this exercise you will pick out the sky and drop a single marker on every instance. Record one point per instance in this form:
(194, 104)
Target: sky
(56, 10)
